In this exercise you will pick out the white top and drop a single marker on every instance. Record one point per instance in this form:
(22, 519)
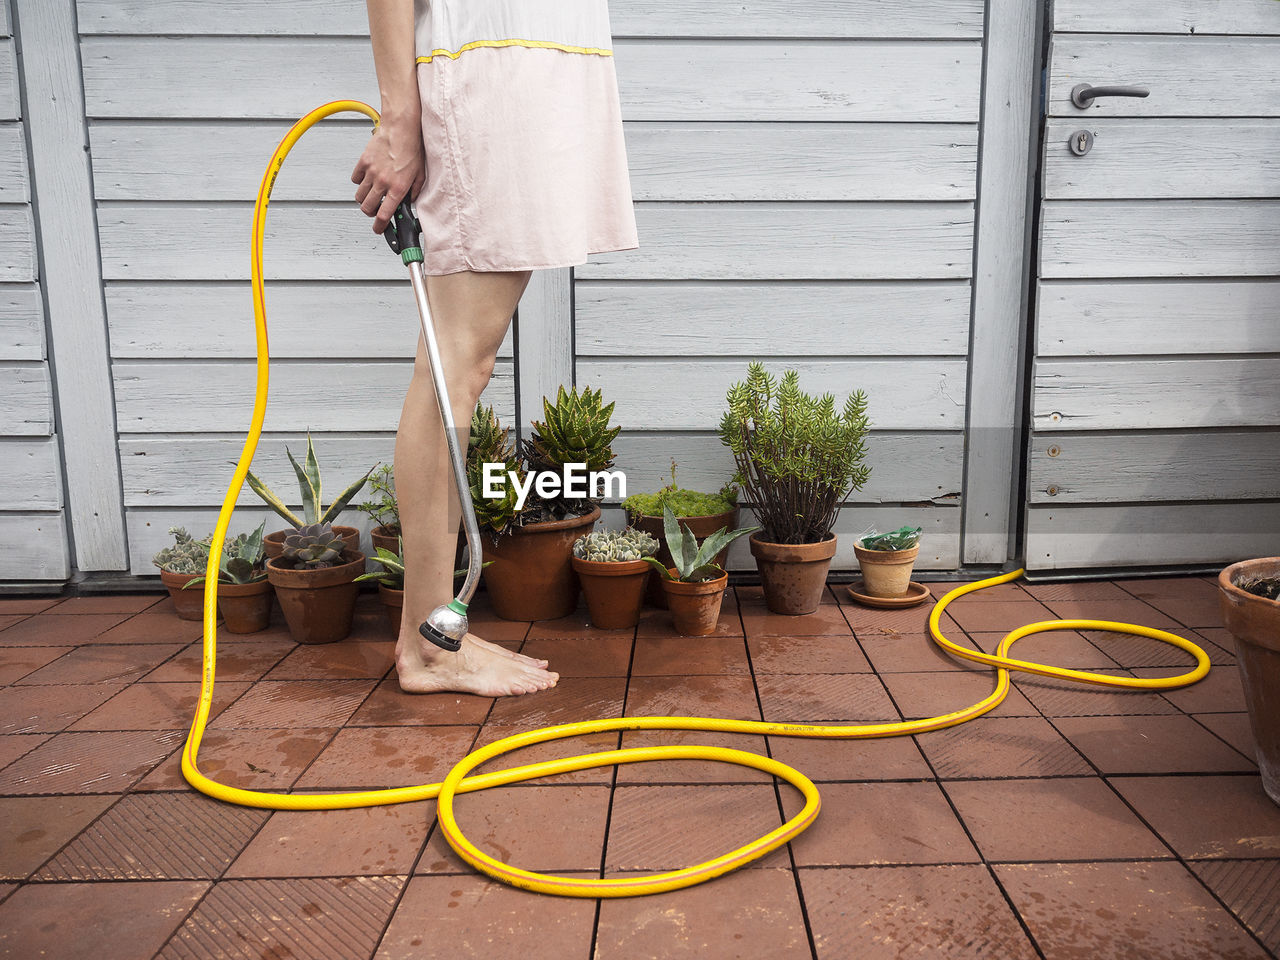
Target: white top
(448, 27)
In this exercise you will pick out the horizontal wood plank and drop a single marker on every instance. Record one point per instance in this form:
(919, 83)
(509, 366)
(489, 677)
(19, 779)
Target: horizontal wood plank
(1169, 465)
(31, 478)
(10, 104)
(628, 18)
(1150, 535)
(35, 547)
(17, 243)
(193, 397)
(1159, 238)
(1128, 394)
(1196, 77)
(14, 183)
(1084, 318)
(1169, 16)
(690, 394)
(238, 77)
(304, 320)
(180, 160)
(1163, 158)
(26, 400)
(21, 322)
(820, 318)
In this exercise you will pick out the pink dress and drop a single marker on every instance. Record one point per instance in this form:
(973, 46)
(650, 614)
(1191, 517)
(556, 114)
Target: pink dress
(526, 164)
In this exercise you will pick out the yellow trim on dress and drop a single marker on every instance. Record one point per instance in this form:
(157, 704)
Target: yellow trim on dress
(598, 51)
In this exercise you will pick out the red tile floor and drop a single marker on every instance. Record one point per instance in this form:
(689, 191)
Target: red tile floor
(1069, 822)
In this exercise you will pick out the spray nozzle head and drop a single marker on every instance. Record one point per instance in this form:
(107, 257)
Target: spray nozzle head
(446, 626)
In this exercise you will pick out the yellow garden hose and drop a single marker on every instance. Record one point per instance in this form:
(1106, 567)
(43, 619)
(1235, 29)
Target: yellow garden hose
(458, 781)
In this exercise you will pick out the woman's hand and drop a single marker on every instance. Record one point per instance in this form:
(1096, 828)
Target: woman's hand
(392, 167)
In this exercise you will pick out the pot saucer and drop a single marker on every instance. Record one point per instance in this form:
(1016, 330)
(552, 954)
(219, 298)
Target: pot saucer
(917, 593)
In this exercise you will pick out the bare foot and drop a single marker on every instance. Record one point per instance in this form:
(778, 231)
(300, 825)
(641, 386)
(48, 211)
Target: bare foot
(499, 649)
(476, 668)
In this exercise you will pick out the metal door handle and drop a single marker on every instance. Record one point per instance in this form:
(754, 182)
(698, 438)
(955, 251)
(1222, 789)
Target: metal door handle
(1082, 94)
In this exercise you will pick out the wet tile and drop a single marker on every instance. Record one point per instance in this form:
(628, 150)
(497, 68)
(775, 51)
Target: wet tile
(913, 621)
(551, 750)
(247, 660)
(1220, 691)
(724, 696)
(692, 771)
(388, 706)
(157, 706)
(47, 630)
(1072, 590)
(155, 628)
(1074, 910)
(21, 606)
(999, 592)
(488, 626)
(744, 914)
(1233, 728)
(825, 698)
(18, 662)
(157, 836)
(754, 593)
(296, 703)
(337, 661)
(108, 603)
(8, 620)
(371, 758)
(1066, 698)
(1251, 890)
(879, 758)
(1056, 648)
(249, 759)
(303, 919)
(1023, 820)
(576, 624)
(915, 653)
(571, 699)
(880, 823)
(658, 623)
(1169, 744)
(1190, 611)
(1207, 817)
(686, 656)
(465, 916)
(1217, 643)
(838, 654)
(36, 827)
(88, 762)
(1001, 747)
(548, 829)
(106, 921)
(14, 745)
(885, 913)
(1130, 651)
(583, 656)
(1162, 588)
(362, 841)
(655, 828)
(998, 615)
(1132, 610)
(827, 620)
(50, 709)
(95, 663)
(921, 695)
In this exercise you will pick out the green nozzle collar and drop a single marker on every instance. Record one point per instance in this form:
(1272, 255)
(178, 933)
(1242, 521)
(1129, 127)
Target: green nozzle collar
(411, 255)
(458, 607)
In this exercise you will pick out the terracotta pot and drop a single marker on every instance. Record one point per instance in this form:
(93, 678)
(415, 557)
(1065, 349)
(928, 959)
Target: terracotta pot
(695, 607)
(318, 605)
(793, 575)
(1254, 621)
(188, 603)
(614, 590)
(531, 577)
(702, 527)
(245, 607)
(385, 537)
(273, 543)
(393, 602)
(886, 573)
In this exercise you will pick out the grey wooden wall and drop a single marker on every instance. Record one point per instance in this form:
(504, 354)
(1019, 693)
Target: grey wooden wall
(33, 534)
(1156, 402)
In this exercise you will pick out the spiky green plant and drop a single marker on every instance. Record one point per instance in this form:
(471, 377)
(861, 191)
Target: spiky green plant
(489, 443)
(309, 488)
(797, 459)
(693, 563)
(242, 561)
(575, 429)
(614, 546)
(313, 546)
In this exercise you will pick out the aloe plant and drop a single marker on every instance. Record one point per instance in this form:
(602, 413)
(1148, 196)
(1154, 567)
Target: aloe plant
(242, 559)
(693, 563)
(309, 487)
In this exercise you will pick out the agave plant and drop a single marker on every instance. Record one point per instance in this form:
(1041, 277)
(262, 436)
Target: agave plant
(313, 546)
(575, 430)
(693, 563)
(309, 487)
(489, 444)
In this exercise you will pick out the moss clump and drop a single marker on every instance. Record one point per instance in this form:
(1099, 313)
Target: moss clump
(683, 502)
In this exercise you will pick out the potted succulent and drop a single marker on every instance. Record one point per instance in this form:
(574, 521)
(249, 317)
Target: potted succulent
(179, 564)
(383, 509)
(530, 545)
(610, 564)
(391, 581)
(887, 559)
(798, 460)
(702, 513)
(1249, 598)
(694, 584)
(244, 592)
(314, 577)
(309, 488)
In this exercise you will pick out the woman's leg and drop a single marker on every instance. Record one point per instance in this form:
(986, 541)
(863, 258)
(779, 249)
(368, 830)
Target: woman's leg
(470, 313)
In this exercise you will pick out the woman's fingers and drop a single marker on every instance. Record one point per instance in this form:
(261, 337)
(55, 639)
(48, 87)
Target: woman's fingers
(386, 212)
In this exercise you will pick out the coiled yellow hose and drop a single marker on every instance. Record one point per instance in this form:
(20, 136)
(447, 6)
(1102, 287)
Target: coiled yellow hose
(458, 780)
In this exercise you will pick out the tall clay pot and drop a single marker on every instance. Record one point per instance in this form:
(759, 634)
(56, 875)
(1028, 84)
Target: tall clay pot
(318, 605)
(189, 604)
(273, 543)
(695, 607)
(1254, 621)
(701, 527)
(245, 607)
(793, 575)
(886, 573)
(614, 590)
(531, 577)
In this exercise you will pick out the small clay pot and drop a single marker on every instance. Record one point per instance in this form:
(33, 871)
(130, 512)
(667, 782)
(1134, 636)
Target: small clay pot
(695, 607)
(245, 607)
(393, 602)
(273, 543)
(318, 605)
(701, 526)
(614, 590)
(886, 573)
(793, 575)
(189, 604)
(531, 577)
(385, 537)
